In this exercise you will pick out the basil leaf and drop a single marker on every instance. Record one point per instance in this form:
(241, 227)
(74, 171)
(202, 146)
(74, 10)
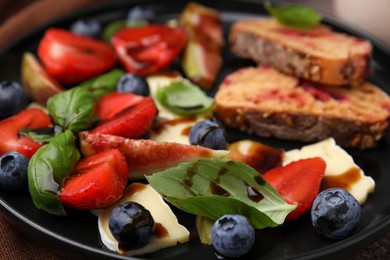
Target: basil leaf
(72, 109)
(47, 170)
(184, 98)
(103, 84)
(40, 135)
(215, 187)
(116, 26)
(294, 15)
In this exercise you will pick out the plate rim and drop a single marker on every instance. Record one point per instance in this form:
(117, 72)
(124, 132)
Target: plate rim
(9, 213)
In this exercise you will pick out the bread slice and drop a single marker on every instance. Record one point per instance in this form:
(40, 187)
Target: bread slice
(268, 103)
(317, 54)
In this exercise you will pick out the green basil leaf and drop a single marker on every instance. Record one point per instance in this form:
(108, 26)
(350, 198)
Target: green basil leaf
(103, 84)
(47, 170)
(40, 135)
(215, 187)
(184, 98)
(116, 26)
(72, 109)
(294, 15)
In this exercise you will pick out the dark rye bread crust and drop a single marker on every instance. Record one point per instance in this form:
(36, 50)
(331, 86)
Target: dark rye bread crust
(267, 42)
(242, 97)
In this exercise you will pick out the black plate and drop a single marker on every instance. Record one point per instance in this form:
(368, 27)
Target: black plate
(77, 234)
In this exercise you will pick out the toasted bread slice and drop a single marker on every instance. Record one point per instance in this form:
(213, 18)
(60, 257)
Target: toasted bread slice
(269, 103)
(317, 54)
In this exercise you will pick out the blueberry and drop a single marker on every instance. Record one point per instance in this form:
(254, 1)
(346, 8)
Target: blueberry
(90, 28)
(335, 213)
(132, 83)
(13, 171)
(232, 235)
(141, 13)
(132, 225)
(208, 133)
(12, 98)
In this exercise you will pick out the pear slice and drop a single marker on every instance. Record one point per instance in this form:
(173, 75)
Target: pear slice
(37, 83)
(146, 156)
(202, 57)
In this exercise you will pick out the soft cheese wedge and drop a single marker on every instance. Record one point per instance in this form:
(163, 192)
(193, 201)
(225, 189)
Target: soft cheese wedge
(341, 170)
(163, 216)
(175, 130)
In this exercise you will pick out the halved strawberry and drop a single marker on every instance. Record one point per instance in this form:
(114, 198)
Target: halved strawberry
(72, 58)
(115, 102)
(131, 122)
(10, 140)
(96, 182)
(298, 183)
(146, 156)
(150, 48)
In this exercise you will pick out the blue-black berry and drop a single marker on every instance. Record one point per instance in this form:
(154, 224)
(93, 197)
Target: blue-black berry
(90, 28)
(141, 13)
(12, 98)
(335, 213)
(208, 133)
(13, 171)
(232, 235)
(132, 225)
(132, 83)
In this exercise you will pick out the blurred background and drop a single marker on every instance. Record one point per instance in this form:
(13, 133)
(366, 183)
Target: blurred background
(18, 16)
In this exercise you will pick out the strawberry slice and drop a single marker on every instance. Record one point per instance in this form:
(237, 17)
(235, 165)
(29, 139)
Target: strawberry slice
(115, 102)
(11, 141)
(150, 48)
(96, 182)
(146, 156)
(298, 183)
(131, 122)
(72, 58)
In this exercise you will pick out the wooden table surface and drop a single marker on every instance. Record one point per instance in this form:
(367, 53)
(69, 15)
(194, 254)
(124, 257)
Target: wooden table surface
(20, 16)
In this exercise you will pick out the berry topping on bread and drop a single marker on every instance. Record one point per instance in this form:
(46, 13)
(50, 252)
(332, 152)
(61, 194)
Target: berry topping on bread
(317, 54)
(269, 103)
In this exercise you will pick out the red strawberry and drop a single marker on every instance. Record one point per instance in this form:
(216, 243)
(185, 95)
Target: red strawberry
(145, 156)
(298, 183)
(132, 122)
(72, 58)
(10, 140)
(148, 49)
(113, 103)
(97, 181)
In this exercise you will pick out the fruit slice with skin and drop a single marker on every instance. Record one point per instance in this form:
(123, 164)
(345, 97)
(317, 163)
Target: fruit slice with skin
(202, 57)
(115, 102)
(97, 181)
(146, 156)
(72, 58)
(298, 183)
(131, 122)
(11, 141)
(148, 49)
(37, 83)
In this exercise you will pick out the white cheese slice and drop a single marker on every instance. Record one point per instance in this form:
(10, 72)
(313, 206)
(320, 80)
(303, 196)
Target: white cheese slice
(175, 130)
(145, 195)
(339, 166)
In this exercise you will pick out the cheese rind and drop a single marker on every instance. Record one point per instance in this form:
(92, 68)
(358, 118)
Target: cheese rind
(146, 196)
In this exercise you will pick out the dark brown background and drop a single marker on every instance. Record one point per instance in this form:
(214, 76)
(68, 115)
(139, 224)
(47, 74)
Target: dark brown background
(18, 16)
